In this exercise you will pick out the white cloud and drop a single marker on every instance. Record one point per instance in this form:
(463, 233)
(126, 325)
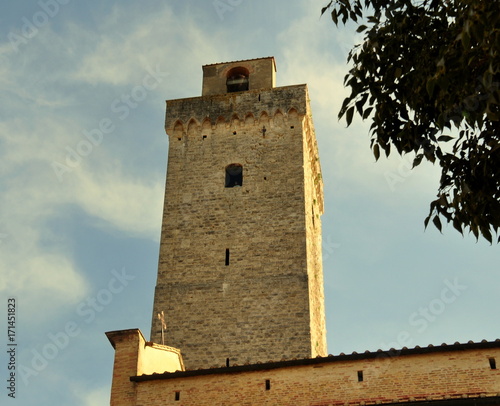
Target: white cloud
(39, 279)
(41, 276)
(122, 56)
(126, 204)
(49, 90)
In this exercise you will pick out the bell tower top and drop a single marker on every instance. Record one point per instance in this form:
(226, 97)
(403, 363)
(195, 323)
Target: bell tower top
(238, 76)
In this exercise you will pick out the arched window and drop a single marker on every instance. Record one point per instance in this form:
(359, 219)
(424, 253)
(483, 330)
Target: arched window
(237, 80)
(234, 175)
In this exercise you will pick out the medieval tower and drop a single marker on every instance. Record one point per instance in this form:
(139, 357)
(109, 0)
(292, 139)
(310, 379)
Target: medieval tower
(240, 274)
(240, 284)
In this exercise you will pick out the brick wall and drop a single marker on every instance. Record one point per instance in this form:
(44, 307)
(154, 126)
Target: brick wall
(135, 356)
(429, 376)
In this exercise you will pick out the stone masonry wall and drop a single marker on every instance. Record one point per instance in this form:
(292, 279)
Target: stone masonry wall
(313, 196)
(233, 277)
(262, 75)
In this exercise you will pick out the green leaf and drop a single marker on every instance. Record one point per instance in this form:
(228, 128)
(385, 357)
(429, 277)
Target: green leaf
(326, 7)
(376, 151)
(345, 103)
(486, 234)
(445, 138)
(475, 231)
(404, 114)
(437, 223)
(367, 112)
(335, 17)
(443, 201)
(417, 160)
(458, 226)
(360, 103)
(387, 150)
(361, 28)
(348, 115)
(426, 221)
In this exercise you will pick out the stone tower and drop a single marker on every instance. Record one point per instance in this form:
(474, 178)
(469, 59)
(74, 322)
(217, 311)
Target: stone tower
(240, 275)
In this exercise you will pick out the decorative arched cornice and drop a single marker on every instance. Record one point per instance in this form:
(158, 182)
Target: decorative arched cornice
(206, 124)
(193, 127)
(291, 101)
(249, 118)
(279, 120)
(235, 120)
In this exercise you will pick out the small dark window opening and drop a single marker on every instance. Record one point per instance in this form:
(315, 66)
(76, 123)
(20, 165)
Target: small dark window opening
(177, 396)
(493, 363)
(227, 362)
(268, 384)
(234, 175)
(360, 376)
(292, 127)
(204, 136)
(227, 260)
(237, 80)
(179, 138)
(234, 132)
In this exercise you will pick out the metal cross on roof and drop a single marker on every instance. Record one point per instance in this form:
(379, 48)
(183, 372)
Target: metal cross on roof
(161, 317)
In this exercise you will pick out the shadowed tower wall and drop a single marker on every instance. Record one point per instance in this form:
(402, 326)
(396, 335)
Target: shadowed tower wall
(240, 277)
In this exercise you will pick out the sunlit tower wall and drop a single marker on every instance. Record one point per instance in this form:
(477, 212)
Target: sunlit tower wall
(240, 275)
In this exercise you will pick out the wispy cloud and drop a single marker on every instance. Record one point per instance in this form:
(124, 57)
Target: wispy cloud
(169, 45)
(57, 88)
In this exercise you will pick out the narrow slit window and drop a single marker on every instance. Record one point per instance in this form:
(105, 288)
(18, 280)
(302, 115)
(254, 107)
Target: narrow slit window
(360, 376)
(493, 363)
(268, 384)
(227, 260)
(177, 396)
(227, 362)
(234, 175)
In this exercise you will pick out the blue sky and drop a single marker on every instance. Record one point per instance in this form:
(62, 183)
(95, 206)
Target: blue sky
(82, 171)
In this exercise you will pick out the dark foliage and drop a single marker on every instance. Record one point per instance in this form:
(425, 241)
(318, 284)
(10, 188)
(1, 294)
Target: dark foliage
(423, 69)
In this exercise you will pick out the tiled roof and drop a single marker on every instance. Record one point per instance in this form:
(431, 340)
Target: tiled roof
(243, 60)
(319, 360)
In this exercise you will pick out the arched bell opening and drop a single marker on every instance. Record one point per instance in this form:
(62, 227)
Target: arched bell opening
(237, 79)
